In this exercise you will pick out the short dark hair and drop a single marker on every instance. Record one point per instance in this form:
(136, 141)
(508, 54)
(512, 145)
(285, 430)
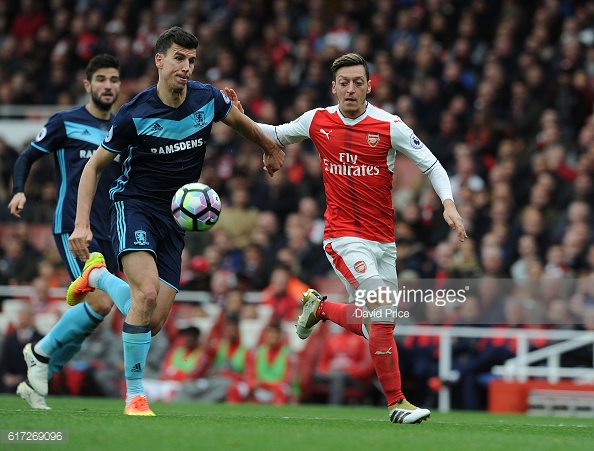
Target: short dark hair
(101, 61)
(232, 318)
(175, 35)
(348, 60)
(190, 330)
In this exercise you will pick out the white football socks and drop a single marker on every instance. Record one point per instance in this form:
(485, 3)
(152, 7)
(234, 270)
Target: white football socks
(95, 274)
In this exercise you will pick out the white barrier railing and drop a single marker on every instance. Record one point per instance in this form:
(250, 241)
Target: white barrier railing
(517, 368)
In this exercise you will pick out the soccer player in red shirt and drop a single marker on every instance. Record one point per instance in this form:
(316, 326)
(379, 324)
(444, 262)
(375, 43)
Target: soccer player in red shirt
(357, 143)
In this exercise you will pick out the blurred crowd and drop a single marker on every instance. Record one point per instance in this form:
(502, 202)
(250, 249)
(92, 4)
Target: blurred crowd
(501, 92)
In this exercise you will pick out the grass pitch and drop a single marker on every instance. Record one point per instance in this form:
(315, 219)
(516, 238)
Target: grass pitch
(99, 424)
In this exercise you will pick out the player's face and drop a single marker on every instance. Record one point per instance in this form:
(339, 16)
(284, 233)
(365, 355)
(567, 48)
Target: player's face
(351, 87)
(176, 67)
(104, 87)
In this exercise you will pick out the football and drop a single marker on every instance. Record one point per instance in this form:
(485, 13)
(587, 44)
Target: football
(196, 207)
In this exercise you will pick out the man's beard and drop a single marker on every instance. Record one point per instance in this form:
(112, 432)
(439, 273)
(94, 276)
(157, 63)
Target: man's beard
(103, 106)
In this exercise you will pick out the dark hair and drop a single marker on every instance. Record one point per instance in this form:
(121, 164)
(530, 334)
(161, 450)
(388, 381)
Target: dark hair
(232, 318)
(101, 61)
(175, 35)
(190, 330)
(348, 60)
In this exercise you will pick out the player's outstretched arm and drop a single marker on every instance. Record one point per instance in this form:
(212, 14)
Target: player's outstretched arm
(81, 236)
(453, 218)
(20, 173)
(247, 128)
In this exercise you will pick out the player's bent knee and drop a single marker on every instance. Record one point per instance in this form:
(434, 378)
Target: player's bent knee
(149, 294)
(100, 302)
(146, 299)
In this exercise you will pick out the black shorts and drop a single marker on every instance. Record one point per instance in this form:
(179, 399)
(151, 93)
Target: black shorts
(141, 226)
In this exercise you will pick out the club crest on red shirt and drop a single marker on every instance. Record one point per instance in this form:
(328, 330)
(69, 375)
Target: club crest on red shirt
(373, 139)
(360, 266)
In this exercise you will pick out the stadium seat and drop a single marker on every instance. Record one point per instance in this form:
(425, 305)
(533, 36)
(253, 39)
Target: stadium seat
(250, 331)
(11, 308)
(45, 321)
(295, 343)
(206, 323)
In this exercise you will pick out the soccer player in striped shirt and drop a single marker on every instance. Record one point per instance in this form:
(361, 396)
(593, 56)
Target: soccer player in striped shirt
(72, 137)
(162, 135)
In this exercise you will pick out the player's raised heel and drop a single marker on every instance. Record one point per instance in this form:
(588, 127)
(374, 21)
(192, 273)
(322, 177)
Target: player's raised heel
(34, 399)
(77, 291)
(37, 370)
(311, 301)
(139, 406)
(405, 413)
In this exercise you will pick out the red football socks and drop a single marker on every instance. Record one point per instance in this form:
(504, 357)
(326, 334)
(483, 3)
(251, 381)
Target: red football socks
(341, 314)
(385, 360)
(382, 346)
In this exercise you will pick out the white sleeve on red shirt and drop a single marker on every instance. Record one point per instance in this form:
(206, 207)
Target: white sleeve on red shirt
(269, 130)
(404, 140)
(291, 132)
(440, 181)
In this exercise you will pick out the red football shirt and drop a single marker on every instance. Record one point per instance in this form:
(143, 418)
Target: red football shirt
(357, 159)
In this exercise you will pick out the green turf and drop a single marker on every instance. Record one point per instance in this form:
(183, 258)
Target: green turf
(95, 424)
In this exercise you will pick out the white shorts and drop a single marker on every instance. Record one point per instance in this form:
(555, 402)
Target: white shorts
(355, 260)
